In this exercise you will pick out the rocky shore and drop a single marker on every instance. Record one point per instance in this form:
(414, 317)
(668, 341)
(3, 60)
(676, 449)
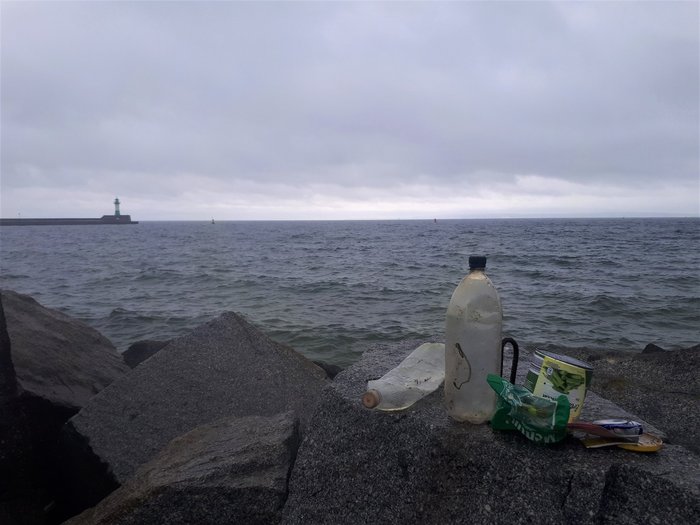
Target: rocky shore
(224, 425)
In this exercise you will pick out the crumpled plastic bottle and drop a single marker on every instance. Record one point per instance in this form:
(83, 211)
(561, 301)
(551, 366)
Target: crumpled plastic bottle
(419, 374)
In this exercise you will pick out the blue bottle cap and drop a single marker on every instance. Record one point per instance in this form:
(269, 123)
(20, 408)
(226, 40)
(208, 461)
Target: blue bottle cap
(477, 262)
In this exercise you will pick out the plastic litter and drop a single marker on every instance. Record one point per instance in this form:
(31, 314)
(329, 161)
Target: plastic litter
(622, 433)
(419, 374)
(473, 345)
(646, 443)
(539, 419)
(619, 429)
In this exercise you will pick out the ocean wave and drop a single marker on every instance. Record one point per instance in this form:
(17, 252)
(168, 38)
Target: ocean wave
(333, 288)
(607, 302)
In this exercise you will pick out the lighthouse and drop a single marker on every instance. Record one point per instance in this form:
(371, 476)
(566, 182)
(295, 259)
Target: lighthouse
(116, 207)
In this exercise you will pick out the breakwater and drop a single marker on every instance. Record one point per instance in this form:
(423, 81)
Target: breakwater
(105, 219)
(225, 425)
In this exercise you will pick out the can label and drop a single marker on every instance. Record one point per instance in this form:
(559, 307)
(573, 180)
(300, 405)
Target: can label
(556, 377)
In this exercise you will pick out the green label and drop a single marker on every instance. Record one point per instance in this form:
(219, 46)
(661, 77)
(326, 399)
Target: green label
(556, 378)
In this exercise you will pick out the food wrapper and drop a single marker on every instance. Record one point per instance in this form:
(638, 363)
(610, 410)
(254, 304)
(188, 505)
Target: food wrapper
(538, 419)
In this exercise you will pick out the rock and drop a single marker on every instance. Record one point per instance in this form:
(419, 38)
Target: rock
(141, 350)
(232, 471)
(634, 495)
(652, 348)
(330, 370)
(8, 379)
(362, 466)
(18, 497)
(225, 368)
(661, 387)
(57, 358)
(50, 366)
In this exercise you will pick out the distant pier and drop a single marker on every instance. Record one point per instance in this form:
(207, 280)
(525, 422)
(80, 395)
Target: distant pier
(105, 219)
(117, 218)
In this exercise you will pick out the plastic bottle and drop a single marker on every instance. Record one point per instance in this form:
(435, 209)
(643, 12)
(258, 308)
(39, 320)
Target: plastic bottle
(472, 346)
(421, 373)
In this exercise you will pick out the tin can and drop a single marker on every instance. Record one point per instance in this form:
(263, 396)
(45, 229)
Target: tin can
(551, 375)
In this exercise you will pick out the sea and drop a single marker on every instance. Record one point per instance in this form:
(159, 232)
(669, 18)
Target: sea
(332, 289)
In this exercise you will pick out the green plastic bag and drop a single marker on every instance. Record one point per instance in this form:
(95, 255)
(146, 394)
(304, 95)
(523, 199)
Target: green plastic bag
(538, 419)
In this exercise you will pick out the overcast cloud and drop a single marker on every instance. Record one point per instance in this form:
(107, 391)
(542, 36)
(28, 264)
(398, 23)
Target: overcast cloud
(350, 110)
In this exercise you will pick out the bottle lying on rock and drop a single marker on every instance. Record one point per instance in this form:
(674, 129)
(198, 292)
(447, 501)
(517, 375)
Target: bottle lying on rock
(419, 374)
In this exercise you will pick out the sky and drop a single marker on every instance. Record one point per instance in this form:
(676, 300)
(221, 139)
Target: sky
(349, 110)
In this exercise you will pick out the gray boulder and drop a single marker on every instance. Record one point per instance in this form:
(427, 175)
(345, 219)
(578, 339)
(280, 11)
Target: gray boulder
(139, 351)
(225, 368)
(50, 366)
(57, 358)
(330, 369)
(18, 492)
(418, 466)
(652, 348)
(8, 379)
(232, 471)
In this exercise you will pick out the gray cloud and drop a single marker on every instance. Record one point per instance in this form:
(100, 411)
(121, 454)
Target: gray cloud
(284, 103)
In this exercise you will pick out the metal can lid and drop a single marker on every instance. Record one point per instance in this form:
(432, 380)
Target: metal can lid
(541, 354)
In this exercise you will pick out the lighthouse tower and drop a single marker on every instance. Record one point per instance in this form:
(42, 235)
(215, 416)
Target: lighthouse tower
(116, 207)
